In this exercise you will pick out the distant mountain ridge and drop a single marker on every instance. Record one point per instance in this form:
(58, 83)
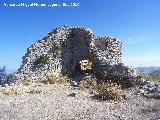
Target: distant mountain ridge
(148, 69)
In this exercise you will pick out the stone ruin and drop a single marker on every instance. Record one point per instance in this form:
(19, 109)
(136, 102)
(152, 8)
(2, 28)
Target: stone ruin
(76, 52)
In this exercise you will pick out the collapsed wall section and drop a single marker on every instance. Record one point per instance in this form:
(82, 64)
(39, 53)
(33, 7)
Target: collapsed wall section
(109, 66)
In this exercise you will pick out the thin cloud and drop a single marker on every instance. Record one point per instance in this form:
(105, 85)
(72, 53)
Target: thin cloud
(135, 39)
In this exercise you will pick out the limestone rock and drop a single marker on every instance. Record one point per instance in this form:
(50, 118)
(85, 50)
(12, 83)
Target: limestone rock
(74, 83)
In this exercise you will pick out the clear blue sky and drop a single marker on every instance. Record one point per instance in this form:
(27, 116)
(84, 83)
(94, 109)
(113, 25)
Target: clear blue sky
(135, 22)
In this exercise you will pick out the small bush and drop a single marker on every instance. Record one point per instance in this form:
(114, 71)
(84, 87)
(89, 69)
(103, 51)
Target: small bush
(88, 82)
(109, 91)
(9, 79)
(57, 49)
(44, 60)
(2, 74)
(35, 91)
(57, 78)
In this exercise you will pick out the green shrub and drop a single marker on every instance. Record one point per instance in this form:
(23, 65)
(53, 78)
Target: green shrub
(57, 49)
(44, 60)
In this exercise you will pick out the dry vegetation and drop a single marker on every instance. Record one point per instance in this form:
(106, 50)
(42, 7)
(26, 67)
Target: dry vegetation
(87, 83)
(57, 78)
(105, 90)
(20, 89)
(31, 87)
(109, 91)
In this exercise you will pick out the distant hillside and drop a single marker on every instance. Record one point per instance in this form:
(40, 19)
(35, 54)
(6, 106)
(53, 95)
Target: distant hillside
(156, 72)
(153, 72)
(155, 75)
(147, 70)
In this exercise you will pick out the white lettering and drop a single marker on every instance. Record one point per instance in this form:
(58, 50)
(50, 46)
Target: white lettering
(54, 5)
(12, 5)
(75, 4)
(64, 4)
(5, 4)
(43, 5)
(31, 5)
(22, 4)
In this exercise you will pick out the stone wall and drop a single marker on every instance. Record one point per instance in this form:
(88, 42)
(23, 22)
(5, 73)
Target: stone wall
(108, 50)
(64, 48)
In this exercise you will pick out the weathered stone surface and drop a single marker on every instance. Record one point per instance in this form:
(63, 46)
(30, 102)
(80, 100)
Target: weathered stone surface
(64, 49)
(108, 50)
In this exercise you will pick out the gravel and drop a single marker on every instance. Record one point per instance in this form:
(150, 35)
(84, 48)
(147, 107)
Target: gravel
(55, 103)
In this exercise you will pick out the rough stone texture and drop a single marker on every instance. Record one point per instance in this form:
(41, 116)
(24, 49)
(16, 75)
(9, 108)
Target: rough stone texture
(108, 50)
(74, 45)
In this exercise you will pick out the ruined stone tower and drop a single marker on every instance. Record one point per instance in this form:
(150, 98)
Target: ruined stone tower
(67, 50)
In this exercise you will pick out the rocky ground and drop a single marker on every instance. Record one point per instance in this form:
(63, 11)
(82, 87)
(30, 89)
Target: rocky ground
(64, 102)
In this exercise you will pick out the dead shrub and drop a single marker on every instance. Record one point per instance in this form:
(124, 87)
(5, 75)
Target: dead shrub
(109, 91)
(88, 82)
(34, 91)
(57, 78)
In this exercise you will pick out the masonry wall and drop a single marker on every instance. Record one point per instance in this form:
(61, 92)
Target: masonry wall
(29, 69)
(66, 47)
(74, 43)
(108, 50)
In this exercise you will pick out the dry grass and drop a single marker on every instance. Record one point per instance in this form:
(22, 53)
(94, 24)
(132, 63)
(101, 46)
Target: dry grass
(109, 91)
(57, 78)
(20, 89)
(24, 82)
(88, 82)
(31, 87)
(35, 91)
(106, 90)
(12, 90)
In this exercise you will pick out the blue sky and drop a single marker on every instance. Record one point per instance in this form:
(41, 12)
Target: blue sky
(135, 22)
